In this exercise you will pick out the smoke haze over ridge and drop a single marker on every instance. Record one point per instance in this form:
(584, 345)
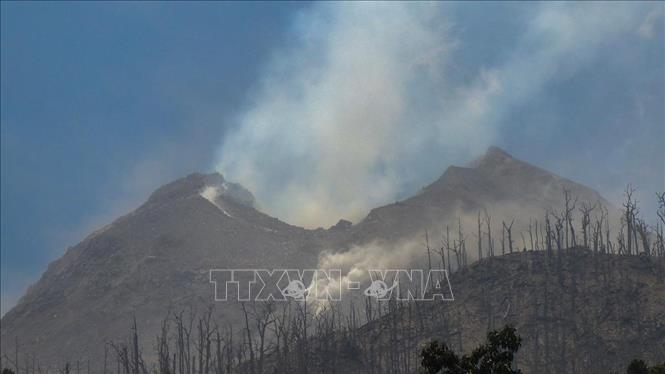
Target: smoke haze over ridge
(132, 96)
(366, 103)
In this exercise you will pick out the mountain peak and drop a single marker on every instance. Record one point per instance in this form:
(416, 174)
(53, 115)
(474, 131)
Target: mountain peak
(494, 151)
(182, 187)
(493, 157)
(156, 257)
(342, 224)
(494, 160)
(196, 183)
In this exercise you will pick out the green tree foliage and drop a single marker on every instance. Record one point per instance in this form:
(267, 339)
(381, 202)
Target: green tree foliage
(658, 369)
(494, 357)
(638, 366)
(7, 371)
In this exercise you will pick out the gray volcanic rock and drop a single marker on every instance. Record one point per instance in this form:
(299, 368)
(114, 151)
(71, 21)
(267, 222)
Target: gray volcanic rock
(148, 262)
(504, 186)
(156, 259)
(342, 224)
(576, 311)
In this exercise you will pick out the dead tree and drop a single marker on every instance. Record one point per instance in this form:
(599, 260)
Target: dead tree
(660, 212)
(137, 361)
(569, 208)
(204, 342)
(443, 248)
(229, 349)
(508, 229)
(480, 238)
(644, 233)
(16, 354)
(429, 255)
(608, 242)
(453, 248)
(218, 359)
(660, 225)
(462, 241)
(597, 233)
(586, 209)
(488, 220)
(621, 238)
(122, 357)
(105, 358)
(629, 214)
(264, 318)
(523, 241)
(531, 234)
(503, 238)
(248, 336)
(183, 341)
(163, 353)
(559, 224)
(548, 234)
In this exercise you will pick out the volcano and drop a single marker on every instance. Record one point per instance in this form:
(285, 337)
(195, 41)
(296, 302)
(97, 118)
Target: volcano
(156, 259)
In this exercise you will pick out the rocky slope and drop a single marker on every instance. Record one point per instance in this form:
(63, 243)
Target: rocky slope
(576, 311)
(151, 261)
(506, 187)
(157, 258)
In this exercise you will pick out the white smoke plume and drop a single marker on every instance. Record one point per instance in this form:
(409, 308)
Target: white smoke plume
(356, 263)
(361, 108)
(527, 232)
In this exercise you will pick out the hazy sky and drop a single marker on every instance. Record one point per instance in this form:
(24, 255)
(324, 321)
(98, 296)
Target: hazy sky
(103, 102)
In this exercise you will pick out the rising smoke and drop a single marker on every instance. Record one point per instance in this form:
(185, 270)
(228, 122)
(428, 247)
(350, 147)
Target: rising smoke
(361, 108)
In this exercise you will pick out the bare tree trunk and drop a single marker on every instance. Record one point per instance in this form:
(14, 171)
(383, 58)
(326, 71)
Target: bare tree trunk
(105, 357)
(508, 229)
(429, 256)
(135, 346)
(531, 234)
(462, 240)
(480, 238)
(488, 220)
(248, 333)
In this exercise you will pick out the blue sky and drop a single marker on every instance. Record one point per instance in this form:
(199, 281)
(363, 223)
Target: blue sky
(97, 98)
(103, 102)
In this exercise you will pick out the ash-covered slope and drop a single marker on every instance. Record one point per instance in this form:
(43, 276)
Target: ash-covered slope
(148, 262)
(576, 311)
(158, 257)
(505, 187)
